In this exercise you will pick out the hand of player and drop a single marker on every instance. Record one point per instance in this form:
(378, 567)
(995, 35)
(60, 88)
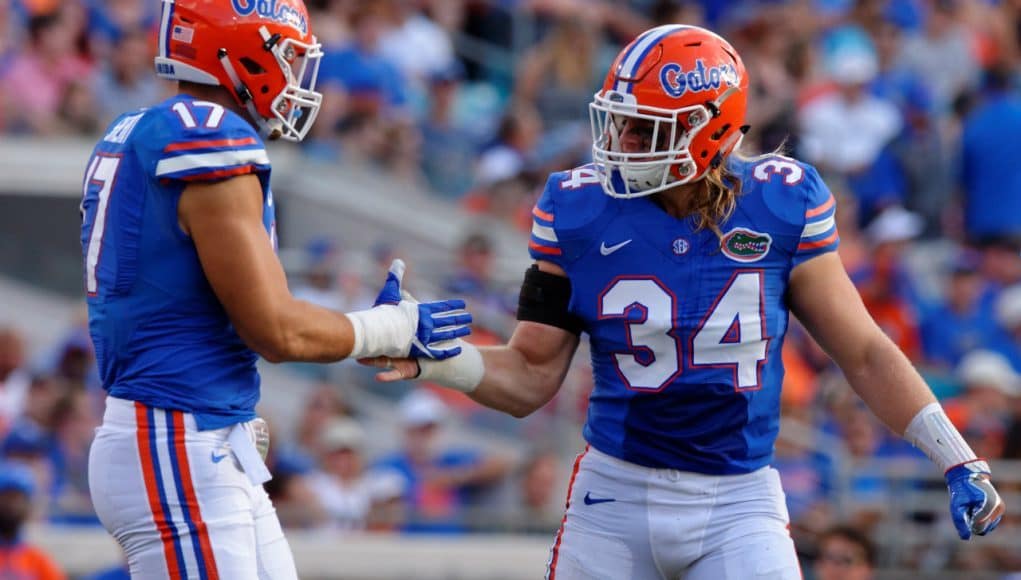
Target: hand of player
(397, 369)
(975, 506)
(434, 323)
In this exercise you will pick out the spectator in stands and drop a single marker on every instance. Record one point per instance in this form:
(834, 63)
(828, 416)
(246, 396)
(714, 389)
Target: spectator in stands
(358, 66)
(19, 559)
(473, 280)
(868, 449)
(505, 173)
(559, 74)
(74, 423)
(772, 82)
(537, 496)
(473, 277)
(963, 320)
(990, 175)
(10, 40)
(845, 553)
(439, 480)
(37, 81)
(75, 360)
(864, 441)
(110, 21)
(885, 285)
(516, 139)
(806, 476)
(292, 496)
(1001, 263)
(31, 443)
(320, 271)
(848, 130)
(324, 404)
(921, 148)
(374, 124)
(14, 379)
(941, 53)
(125, 81)
(1008, 317)
(415, 44)
(9, 34)
(449, 145)
(351, 498)
(982, 411)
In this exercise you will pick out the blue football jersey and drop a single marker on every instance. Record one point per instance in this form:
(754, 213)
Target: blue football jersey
(161, 336)
(685, 327)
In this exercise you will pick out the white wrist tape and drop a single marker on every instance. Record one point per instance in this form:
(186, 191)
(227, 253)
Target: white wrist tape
(463, 372)
(933, 433)
(384, 330)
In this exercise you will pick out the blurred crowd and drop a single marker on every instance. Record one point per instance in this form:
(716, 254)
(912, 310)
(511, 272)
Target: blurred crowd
(909, 108)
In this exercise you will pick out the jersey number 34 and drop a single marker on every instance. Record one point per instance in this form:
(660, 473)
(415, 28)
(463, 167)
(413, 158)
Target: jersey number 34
(732, 334)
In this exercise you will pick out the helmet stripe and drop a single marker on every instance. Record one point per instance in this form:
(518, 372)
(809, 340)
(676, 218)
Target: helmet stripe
(639, 50)
(165, 24)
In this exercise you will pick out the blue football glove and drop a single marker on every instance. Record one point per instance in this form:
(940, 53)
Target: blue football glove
(975, 506)
(438, 323)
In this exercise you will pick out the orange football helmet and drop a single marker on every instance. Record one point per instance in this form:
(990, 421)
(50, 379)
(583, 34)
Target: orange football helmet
(684, 90)
(262, 52)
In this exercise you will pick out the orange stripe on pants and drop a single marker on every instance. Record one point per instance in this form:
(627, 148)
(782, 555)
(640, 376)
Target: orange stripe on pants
(192, 504)
(563, 522)
(152, 492)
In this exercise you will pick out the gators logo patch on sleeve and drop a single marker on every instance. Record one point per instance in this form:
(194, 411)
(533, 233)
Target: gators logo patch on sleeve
(744, 245)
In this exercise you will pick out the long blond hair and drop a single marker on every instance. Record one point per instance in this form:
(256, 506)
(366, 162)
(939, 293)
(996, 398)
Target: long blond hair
(714, 202)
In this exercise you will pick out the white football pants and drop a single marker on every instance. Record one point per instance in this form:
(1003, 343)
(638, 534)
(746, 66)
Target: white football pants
(178, 502)
(628, 521)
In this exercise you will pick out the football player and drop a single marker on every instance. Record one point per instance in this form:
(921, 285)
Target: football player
(682, 260)
(185, 292)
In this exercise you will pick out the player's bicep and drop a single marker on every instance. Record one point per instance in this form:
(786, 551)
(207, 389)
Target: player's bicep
(547, 332)
(544, 346)
(826, 302)
(224, 220)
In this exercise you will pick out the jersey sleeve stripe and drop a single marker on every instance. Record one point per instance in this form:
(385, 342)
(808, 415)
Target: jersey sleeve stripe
(219, 173)
(820, 243)
(210, 144)
(817, 228)
(545, 233)
(818, 210)
(211, 161)
(544, 216)
(532, 245)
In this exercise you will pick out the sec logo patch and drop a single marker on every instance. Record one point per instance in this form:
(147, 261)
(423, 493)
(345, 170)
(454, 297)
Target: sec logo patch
(681, 246)
(744, 245)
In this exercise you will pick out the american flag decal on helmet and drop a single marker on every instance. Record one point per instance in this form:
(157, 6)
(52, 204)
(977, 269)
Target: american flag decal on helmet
(182, 34)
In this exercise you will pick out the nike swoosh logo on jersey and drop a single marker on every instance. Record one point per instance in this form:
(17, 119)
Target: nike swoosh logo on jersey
(607, 250)
(216, 458)
(589, 500)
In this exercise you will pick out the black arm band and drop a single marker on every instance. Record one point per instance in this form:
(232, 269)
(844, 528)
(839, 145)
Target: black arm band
(545, 298)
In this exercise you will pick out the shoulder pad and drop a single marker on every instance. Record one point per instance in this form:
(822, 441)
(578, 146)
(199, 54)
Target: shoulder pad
(191, 140)
(794, 192)
(789, 188)
(572, 206)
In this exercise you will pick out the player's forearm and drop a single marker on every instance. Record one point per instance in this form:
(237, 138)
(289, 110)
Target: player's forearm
(888, 383)
(299, 331)
(512, 385)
